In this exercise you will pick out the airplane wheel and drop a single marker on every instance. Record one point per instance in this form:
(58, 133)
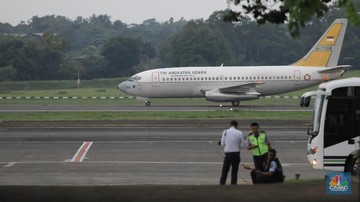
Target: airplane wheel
(235, 103)
(147, 103)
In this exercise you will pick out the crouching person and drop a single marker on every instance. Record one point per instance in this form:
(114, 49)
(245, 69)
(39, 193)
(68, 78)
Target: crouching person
(273, 171)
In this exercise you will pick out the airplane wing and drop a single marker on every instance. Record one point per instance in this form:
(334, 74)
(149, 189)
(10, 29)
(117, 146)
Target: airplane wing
(245, 89)
(335, 69)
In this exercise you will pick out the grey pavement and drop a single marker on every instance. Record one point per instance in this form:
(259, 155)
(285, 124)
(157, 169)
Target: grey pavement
(134, 155)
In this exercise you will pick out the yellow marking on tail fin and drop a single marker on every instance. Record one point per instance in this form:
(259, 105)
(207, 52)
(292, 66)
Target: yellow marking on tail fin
(316, 59)
(320, 54)
(331, 36)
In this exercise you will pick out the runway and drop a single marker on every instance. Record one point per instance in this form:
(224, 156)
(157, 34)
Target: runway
(134, 155)
(127, 108)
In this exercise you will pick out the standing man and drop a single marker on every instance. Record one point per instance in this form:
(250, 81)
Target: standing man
(231, 139)
(259, 143)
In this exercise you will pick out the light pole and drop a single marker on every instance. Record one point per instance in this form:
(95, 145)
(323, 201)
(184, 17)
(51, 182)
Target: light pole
(78, 73)
(78, 78)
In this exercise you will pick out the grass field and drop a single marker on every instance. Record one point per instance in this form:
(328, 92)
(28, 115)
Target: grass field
(151, 115)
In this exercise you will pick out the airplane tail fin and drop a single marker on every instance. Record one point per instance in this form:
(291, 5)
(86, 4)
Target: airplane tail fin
(326, 51)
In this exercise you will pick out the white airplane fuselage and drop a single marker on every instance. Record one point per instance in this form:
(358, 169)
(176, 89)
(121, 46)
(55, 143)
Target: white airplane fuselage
(188, 82)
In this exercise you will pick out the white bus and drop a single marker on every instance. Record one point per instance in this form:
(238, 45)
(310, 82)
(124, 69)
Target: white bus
(335, 127)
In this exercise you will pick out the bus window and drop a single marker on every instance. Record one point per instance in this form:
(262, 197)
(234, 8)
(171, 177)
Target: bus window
(341, 120)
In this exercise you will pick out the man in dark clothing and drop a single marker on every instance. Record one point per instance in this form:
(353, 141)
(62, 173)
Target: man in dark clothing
(273, 170)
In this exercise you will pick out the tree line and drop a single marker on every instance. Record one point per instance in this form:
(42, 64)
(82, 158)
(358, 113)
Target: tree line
(55, 47)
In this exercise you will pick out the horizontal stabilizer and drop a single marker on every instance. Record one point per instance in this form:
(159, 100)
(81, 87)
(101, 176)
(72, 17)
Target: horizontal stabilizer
(335, 69)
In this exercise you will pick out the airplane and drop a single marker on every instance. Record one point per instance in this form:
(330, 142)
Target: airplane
(237, 83)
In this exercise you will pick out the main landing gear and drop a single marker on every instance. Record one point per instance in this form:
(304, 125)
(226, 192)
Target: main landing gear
(235, 103)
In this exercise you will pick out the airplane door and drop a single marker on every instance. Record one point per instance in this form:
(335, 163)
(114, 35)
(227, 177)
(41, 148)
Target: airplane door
(297, 77)
(155, 77)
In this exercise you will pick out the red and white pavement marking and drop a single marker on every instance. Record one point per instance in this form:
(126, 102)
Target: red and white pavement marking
(81, 153)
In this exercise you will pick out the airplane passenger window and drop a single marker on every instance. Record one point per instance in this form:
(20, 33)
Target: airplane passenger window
(187, 79)
(202, 78)
(278, 77)
(167, 79)
(234, 78)
(229, 78)
(183, 79)
(225, 78)
(163, 79)
(239, 78)
(282, 77)
(217, 78)
(171, 79)
(213, 78)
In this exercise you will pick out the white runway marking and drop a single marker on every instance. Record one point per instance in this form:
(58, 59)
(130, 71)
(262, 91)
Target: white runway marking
(82, 151)
(9, 164)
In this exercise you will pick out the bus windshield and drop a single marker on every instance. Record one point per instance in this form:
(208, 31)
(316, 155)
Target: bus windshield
(316, 118)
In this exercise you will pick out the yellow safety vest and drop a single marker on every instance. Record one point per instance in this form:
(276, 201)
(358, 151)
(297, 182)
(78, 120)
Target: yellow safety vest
(260, 142)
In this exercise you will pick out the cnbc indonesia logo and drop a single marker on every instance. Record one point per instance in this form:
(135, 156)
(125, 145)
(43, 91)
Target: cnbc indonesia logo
(338, 183)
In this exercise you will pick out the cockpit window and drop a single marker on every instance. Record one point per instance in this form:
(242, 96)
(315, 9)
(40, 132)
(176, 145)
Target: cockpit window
(134, 78)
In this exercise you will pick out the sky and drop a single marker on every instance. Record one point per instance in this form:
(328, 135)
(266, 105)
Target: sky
(128, 11)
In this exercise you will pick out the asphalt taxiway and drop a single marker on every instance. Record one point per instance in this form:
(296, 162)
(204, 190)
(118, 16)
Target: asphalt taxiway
(135, 155)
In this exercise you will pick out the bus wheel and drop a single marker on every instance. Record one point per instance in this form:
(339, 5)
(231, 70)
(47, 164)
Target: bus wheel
(353, 166)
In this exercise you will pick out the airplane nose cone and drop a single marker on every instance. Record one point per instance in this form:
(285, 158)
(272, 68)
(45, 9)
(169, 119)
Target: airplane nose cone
(122, 87)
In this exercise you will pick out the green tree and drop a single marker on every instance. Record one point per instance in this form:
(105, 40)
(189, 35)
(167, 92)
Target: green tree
(295, 12)
(196, 45)
(7, 73)
(51, 56)
(121, 54)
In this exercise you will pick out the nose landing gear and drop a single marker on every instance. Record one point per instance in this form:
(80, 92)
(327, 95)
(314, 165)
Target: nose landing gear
(147, 103)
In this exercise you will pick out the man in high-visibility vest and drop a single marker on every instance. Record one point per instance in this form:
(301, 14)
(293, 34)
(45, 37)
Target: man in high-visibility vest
(259, 143)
